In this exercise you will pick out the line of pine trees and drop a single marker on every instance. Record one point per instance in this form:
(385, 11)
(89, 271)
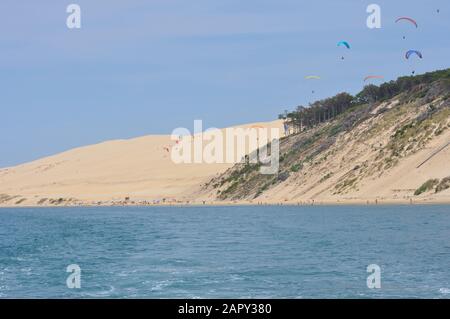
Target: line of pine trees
(327, 109)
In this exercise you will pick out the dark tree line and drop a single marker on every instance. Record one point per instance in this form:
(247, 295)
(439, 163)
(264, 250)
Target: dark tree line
(327, 109)
(318, 112)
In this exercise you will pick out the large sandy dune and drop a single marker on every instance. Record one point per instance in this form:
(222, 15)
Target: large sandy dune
(138, 169)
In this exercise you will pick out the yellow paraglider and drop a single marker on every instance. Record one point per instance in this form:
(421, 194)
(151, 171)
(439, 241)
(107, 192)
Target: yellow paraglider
(312, 77)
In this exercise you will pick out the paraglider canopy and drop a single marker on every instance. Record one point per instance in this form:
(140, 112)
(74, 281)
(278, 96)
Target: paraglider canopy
(407, 19)
(312, 77)
(343, 43)
(411, 52)
(373, 77)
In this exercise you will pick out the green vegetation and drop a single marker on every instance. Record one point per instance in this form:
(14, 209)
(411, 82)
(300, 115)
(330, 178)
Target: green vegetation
(42, 201)
(348, 183)
(6, 198)
(413, 135)
(263, 188)
(427, 186)
(435, 184)
(327, 176)
(56, 201)
(296, 167)
(443, 185)
(20, 201)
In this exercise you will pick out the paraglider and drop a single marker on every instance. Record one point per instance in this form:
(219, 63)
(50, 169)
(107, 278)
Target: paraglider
(312, 77)
(411, 52)
(373, 77)
(411, 20)
(343, 43)
(407, 19)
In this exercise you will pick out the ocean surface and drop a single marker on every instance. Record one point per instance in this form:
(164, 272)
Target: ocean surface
(226, 252)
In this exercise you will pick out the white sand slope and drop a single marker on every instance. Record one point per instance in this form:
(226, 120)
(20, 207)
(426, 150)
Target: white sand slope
(395, 186)
(373, 162)
(109, 172)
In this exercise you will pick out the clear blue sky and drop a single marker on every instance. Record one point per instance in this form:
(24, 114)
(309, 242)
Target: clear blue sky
(146, 67)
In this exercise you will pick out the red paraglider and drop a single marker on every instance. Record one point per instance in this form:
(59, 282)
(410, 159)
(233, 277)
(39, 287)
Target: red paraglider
(373, 77)
(407, 19)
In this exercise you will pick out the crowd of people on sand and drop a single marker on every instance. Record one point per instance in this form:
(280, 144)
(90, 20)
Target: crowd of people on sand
(127, 201)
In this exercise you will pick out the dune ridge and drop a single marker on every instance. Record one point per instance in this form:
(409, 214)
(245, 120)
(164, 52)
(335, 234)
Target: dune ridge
(120, 172)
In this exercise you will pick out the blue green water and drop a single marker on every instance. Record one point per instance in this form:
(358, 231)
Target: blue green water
(226, 252)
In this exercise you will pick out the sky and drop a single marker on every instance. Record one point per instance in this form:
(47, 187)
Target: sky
(147, 67)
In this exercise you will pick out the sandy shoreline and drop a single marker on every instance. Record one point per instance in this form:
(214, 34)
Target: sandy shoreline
(354, 202)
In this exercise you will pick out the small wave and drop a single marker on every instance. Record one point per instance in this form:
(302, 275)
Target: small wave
(18, 259)
(127, 273)
(27, 271)
(104, 293)
(235, 277)
(161, 285)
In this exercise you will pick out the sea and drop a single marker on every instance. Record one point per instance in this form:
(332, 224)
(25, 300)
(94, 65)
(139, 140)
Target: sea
(226, 252)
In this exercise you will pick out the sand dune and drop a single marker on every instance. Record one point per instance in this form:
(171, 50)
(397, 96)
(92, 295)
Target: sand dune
(136, 170)
(140, 171)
